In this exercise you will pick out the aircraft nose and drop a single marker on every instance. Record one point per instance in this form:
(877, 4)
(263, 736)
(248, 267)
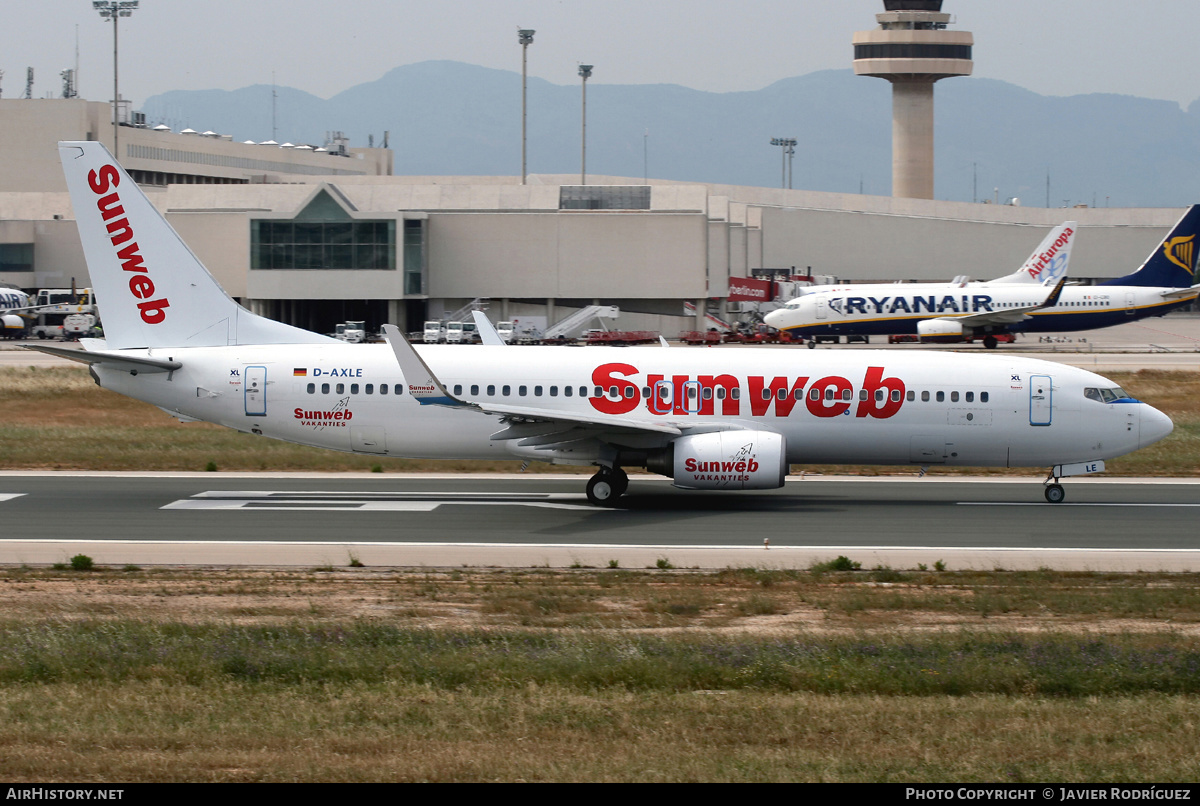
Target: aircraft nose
(1154, 426)
(774, 318)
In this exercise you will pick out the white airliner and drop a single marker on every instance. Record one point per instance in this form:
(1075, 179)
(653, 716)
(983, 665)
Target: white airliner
(1008, 305)
(730, 419)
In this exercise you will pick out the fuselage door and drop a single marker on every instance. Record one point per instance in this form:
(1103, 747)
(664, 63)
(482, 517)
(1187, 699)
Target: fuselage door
(1130, 304)
(1041, 400)
(255, 385)
(821, 309)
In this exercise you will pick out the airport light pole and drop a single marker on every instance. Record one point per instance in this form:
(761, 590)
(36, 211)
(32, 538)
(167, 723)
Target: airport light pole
(114, 10)
(789, 149)
(585, 72)
(525, 37)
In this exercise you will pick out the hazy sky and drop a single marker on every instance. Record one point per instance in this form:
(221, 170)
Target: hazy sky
(1053, 47)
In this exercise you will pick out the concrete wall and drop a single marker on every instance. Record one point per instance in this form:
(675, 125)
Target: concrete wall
(857, 246)
(567, 254)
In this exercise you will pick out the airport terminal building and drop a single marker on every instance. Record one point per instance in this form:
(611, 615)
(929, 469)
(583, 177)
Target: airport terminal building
(316, 235)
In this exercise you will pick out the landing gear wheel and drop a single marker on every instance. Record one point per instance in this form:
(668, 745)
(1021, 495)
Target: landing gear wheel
(812, 345)
(602, 490)
(1055, 493)
(990, 342)
(620, 481)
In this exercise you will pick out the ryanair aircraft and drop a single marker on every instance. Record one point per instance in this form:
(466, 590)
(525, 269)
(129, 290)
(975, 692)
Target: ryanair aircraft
(729, 419)
(949, 312)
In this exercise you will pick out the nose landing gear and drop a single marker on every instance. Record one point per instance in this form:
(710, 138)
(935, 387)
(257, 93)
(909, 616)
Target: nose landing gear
(1055, 493)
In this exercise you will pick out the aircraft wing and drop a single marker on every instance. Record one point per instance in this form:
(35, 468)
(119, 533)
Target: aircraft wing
(1008, 316)
(428, 390)
(110, 358)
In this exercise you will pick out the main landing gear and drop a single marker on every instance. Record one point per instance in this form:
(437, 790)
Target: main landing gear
(609, 484)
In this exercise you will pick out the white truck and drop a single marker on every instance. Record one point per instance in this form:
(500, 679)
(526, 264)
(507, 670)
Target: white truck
(435, 332)
(351, 332)
(55, 305)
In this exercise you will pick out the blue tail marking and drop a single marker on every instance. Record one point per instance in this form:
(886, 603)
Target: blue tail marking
(1173, 262)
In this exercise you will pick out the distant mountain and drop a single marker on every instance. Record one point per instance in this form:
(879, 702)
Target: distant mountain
(993, 138)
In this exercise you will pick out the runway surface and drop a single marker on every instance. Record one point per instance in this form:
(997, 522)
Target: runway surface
(538, 520)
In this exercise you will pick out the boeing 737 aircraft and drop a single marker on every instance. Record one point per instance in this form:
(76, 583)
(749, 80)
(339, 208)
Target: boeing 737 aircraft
(709, 419)
(1163, 283)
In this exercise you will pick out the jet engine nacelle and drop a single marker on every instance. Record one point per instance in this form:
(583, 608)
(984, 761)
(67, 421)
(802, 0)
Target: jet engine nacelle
(12, 324)
(940, 330)
(729, 460)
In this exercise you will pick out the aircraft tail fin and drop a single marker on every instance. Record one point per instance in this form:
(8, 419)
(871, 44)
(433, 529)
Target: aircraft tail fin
(151, 290)
(1049, 261)
(1173, 263)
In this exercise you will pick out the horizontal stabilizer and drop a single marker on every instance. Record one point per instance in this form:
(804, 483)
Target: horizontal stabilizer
(109, 358)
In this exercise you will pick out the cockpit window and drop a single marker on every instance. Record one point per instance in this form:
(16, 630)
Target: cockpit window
(1105, 395)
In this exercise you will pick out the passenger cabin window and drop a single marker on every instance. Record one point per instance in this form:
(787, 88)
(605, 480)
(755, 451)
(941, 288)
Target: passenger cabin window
(312, 387)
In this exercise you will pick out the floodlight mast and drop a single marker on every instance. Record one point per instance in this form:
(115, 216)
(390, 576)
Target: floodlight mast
(114, 10)
(585, 72)
(525, 38)
(789, 150)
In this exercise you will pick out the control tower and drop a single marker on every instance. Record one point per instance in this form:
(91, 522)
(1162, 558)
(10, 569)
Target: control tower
(912, 49)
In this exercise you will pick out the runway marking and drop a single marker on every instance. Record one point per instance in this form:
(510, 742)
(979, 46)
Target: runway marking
(10, 496)
(322, 501)
(1042, 504)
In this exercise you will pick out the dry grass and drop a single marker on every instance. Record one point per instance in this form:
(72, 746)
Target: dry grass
(239, 733)
(163, 721)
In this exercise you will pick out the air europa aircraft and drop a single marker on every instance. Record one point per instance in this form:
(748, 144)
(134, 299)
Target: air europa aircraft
(709, 419)
(1165, 281)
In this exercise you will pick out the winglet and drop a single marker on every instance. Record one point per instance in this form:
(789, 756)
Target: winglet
(487, 333)
(1052, 298)
(422, 384)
